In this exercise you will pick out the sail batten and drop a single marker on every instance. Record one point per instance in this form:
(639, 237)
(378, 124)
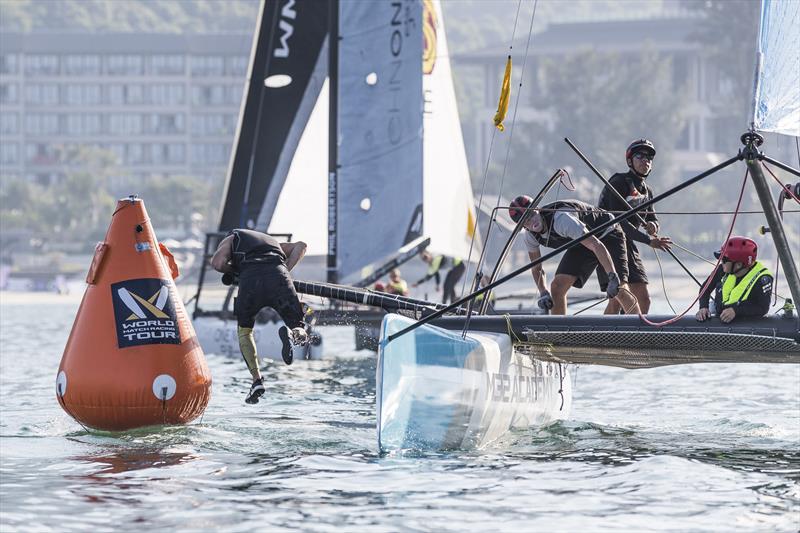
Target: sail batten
(776, 102)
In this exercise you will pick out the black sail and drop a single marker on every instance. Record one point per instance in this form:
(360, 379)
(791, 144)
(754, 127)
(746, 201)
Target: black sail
(283, 83)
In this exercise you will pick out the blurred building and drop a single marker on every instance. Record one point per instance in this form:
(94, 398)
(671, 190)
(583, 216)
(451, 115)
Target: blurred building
(712, 131)
(163, 104)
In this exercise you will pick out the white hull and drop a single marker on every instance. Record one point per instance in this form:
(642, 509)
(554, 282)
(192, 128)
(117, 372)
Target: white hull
(220, 337)
(437, 390)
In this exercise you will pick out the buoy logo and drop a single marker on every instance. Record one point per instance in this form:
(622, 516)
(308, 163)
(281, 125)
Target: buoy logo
(144, 313)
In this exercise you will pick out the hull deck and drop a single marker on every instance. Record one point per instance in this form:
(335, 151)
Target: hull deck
(626, 341)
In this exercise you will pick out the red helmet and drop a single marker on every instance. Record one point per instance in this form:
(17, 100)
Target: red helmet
(518, 206)
(380, 287)
(741, 250)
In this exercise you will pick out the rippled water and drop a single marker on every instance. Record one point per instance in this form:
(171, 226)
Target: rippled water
(695, 448)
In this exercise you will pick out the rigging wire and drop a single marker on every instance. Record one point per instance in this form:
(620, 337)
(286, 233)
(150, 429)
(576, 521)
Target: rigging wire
(710, 278)
(516, 104)
(513, 119)
(784, 189)
(690, 252)
(663, 282)
(486, 174)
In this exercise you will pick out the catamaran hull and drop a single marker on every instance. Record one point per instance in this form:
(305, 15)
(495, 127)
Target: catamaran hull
(219, 336)
(439, 391)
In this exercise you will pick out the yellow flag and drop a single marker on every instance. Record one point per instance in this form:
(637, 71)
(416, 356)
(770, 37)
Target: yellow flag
(505, 93)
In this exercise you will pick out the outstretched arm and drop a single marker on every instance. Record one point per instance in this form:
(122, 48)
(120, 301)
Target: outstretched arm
(539, 276)
(600, 251)
(220, 259)
(295, 251)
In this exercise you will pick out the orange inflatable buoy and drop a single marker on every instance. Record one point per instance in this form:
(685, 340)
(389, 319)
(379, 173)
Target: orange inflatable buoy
(132, 358)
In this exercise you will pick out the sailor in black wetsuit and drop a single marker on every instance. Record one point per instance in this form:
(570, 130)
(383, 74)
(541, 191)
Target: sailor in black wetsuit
(262, 265)
(633, 187)
(742, 286)
(556, 224)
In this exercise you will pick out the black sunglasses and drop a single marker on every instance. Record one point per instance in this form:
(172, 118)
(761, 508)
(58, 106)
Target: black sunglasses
(640, 155)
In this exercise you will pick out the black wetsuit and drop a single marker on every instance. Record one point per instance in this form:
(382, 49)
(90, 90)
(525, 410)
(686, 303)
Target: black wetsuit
(636, 191)
(579, 261)
(264, 280)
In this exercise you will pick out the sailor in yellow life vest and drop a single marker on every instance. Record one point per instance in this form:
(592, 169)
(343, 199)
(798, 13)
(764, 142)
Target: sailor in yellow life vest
(742, 286)
(397, 285)
(437, 263)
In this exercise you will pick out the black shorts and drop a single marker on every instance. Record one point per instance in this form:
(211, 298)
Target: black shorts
(580, 262)
(267, 285)
(636, 273)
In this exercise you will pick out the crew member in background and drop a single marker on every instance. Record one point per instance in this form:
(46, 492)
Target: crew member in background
(397, 285)
(492, 298)
(742, 286)
(262, 266)
(556, 224)
(437, 263)
(632, 186)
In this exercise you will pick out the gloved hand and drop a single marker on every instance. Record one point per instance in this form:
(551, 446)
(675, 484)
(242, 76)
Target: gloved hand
(545, 301)
(229, 278)
(703, 314)
(612, 289)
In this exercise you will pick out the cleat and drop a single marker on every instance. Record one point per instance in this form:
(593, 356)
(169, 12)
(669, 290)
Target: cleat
(256, 390)
(286, 349)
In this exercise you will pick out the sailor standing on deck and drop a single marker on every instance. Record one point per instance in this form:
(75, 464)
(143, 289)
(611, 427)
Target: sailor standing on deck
(742, 286)
(262, 266)
(633, 187)
(437, 263)
(556, 224)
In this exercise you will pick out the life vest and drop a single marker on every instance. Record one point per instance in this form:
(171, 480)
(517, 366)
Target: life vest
(397, 287)
(439, 262)
(735, 290)
(255, 247)
(590, 215)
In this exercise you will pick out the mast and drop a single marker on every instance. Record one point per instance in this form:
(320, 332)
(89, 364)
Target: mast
(333, 136)
(753, 157)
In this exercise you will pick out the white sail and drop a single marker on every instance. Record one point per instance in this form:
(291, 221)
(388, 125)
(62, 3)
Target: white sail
(449, 216)
(777, 89)
(449, 207)
(302, 207)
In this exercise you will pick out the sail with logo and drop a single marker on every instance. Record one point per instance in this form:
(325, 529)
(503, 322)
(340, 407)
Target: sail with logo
(401, 163)
(365, 177)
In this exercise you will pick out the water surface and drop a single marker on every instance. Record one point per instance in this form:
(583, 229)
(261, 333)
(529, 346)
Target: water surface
(694, 448)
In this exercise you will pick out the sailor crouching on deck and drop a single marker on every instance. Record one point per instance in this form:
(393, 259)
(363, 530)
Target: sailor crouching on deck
(556, 224)
(742, 286)
(262, 266)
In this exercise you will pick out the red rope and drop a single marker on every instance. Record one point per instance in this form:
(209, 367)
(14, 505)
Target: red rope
(716, 266)
(786, 189)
